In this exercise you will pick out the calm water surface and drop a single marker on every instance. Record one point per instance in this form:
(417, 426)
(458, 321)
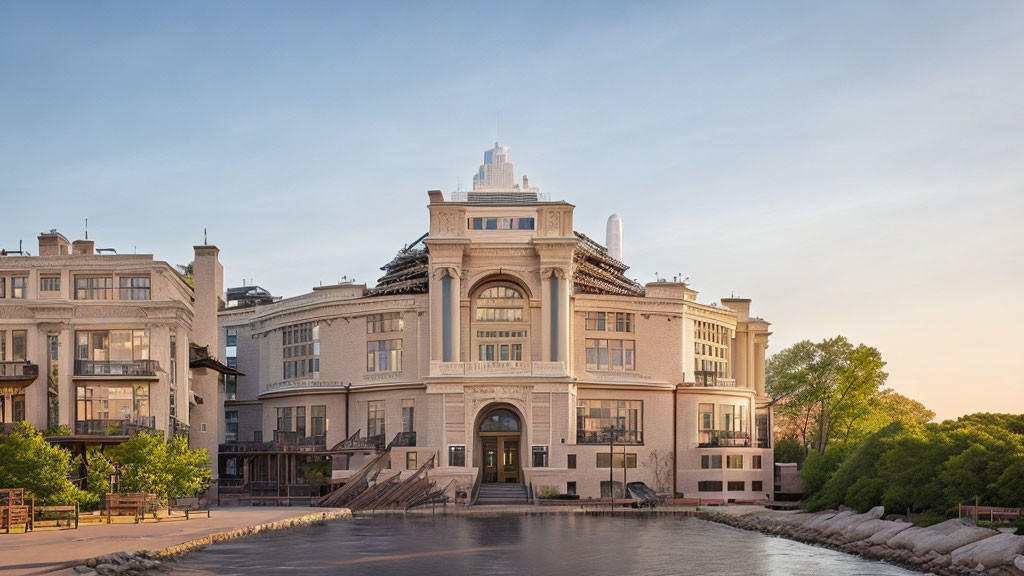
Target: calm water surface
(563, 544)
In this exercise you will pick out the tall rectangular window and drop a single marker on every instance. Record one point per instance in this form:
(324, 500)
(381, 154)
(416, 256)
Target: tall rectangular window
(755, 462)
(411, 461)
(457, 456)
(94, 288)
(384, 356)
(318, 421)
(19, 287)
(172, 375)
(375, 418)
(300, 351)
(599, 421)
(3, 287)
(19, 345)
(707, 416)
(408, 415)
(300, 421)
(231, 426)
(284, 419)
(540, 456)
(230, 386)
(52, 381)
(133, 288)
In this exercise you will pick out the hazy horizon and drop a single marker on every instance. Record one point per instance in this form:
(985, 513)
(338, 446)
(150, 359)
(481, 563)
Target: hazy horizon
(855, 169)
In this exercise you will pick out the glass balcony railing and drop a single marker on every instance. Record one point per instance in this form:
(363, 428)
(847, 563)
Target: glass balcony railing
(131, 368)
(115, 427)
(709, 438)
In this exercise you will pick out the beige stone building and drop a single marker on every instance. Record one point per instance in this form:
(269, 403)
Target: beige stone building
(107, 344)
(513, 350)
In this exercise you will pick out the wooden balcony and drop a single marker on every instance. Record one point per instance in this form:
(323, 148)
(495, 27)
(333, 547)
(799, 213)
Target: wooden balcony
(17, 374)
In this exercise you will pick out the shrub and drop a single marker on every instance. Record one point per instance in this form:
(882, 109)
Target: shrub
(42, 469)
(547, 492)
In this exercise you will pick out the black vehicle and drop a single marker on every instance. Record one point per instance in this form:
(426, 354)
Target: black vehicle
(642, 495)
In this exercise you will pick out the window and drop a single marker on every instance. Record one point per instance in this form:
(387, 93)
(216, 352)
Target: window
(501, 223)
(599, 421)
(410, 461)
(3, 287)
(408, 415)
(257, 435)
(494, 314)
(19, 287)
(49, 284)
(133, 288)
(603, 458)
(300, 421)
(540, 456)
(387, 322)
(172, 375)
(318, 421)
(100, 352)
(570, 487)
(707, 416)
(94, 288)
(230, 386)
(384, 356)
(711, 461)
(572, 461)
(19, 345)
(284, 419)
(734, 418)
(764, 436)
(709, 486)
(375, 418)
(301, 349)
(736, 485)
(616, 355)
(500, 352)
(231, 425)
(734, 461)
(457, 456)
(711, 348)
(231, 343)
(755, 462)
(609, 321)
(756, 485)
(101, 401)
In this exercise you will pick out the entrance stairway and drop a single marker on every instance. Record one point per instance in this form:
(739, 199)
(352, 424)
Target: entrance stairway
(493, 493)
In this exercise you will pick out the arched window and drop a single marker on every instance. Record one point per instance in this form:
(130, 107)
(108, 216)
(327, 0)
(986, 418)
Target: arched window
(500, 321)
(500, 421)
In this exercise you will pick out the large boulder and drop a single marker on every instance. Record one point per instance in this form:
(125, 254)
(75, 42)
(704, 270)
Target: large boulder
(999, 550)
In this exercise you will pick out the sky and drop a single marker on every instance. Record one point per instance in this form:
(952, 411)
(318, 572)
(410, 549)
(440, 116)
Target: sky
(855, 168)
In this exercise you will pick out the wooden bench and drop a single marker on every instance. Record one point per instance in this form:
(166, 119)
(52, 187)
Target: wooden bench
(67, 513)
(14, 510)
(189, 506)
(136, 505)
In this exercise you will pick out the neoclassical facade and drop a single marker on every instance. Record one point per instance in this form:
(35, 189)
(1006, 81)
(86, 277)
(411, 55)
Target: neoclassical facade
(510, 348)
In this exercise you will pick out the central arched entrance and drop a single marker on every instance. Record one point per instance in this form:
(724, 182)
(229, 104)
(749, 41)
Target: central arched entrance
(500, 436)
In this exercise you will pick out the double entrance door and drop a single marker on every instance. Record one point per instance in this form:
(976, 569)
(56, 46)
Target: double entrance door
(501, 458)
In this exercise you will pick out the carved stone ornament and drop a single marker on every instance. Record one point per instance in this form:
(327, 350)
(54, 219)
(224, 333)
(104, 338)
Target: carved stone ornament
(554, 222)
(479, 396)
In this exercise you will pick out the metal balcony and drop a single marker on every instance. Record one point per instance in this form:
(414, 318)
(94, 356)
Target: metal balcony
(17, 374)
(115, 427)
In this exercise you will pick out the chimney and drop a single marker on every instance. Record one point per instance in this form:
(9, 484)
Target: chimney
(208, 277)
(741, 306)
(206, 418)
(82, 247)
(53, 243)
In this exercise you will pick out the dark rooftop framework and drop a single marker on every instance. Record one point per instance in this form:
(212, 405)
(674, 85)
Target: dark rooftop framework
(199, 357)
(407, 273)
(594, 271)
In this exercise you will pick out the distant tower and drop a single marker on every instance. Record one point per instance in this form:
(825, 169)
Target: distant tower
(613, 237)
(495, 181)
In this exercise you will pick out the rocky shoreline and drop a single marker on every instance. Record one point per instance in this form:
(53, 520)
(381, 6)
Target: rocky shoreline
(137, 563)
(951, 548)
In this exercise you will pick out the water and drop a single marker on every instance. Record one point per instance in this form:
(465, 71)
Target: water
(556, 544)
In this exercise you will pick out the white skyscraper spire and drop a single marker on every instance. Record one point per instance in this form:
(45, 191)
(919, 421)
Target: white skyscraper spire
(613, 237)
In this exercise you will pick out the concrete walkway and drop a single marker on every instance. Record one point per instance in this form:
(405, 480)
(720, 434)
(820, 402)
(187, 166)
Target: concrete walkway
(55, 551)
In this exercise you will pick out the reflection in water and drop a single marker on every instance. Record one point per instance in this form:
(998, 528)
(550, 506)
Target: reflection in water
(562, 544)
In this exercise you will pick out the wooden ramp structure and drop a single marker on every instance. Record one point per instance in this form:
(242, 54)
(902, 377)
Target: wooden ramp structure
(368, 489)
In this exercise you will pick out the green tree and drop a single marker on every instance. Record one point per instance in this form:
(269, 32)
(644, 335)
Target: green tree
(789, 449)
(188, 470)
(42, 469)
(99, 470)
(148, 464)
(828, 389)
